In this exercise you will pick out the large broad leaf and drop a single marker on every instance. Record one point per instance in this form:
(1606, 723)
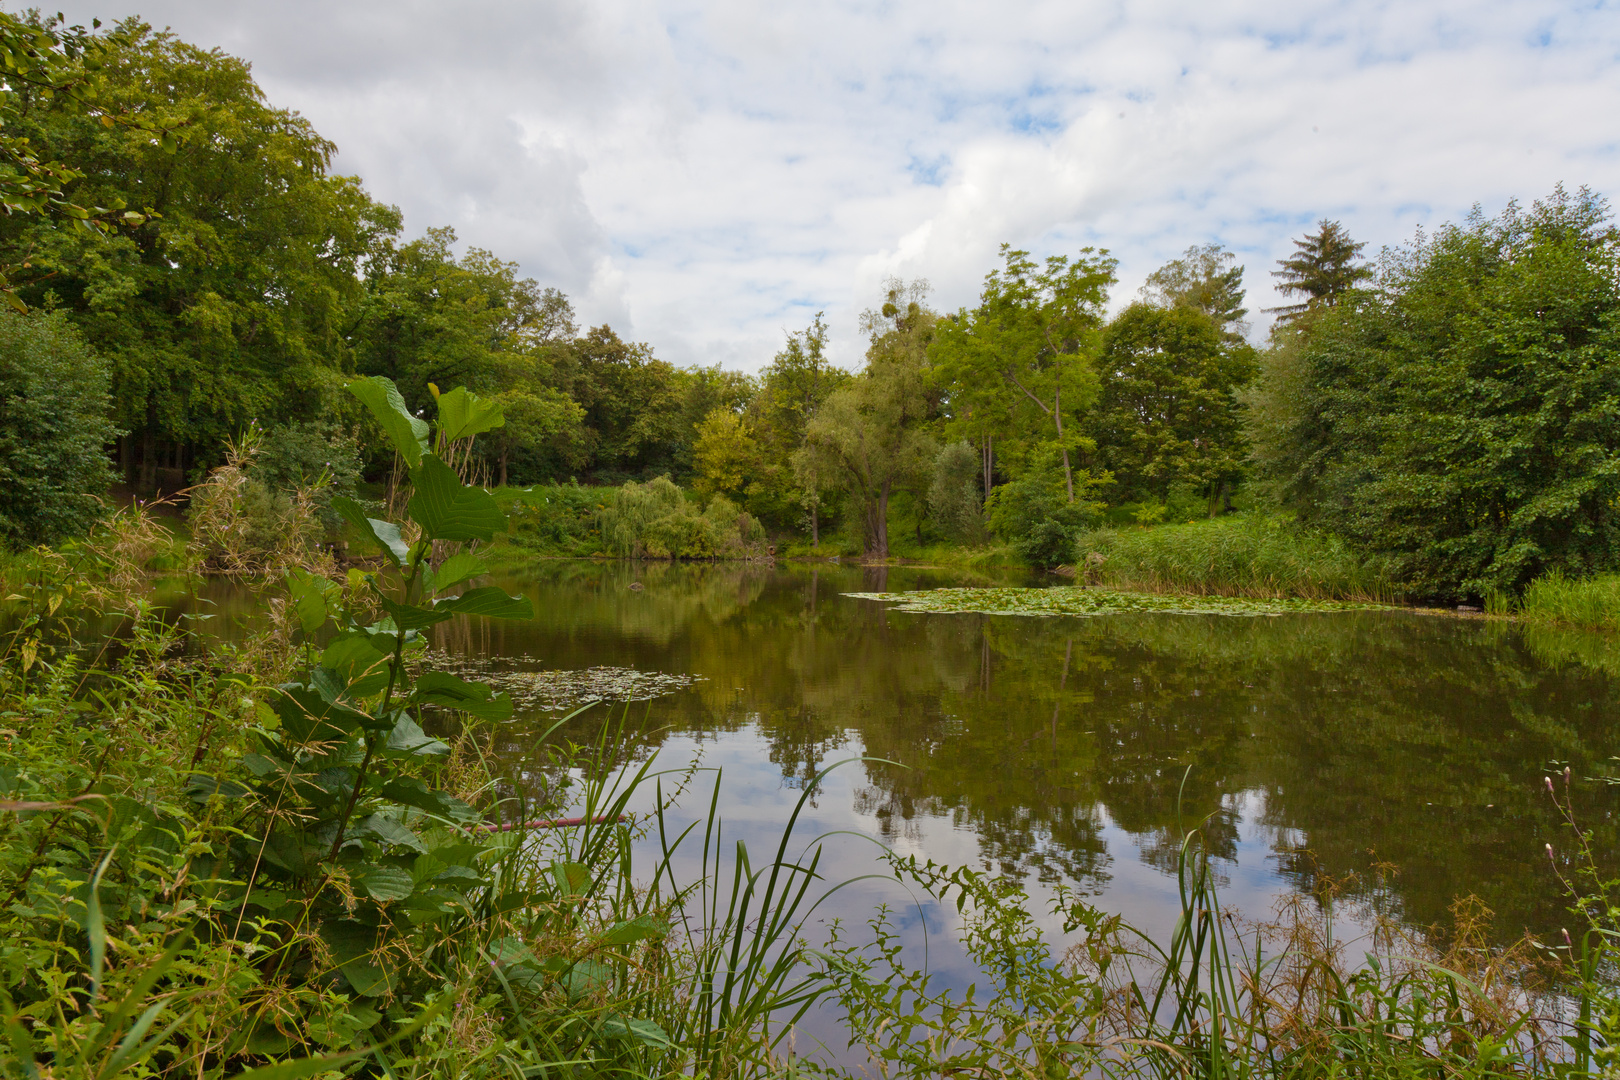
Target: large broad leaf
(354, 951)
(308, 598)
(408, 434)
(488, 601)
(646, 1032)
(447, 509)
(409, 740)
(385, 534)
(360, 660)
(384, 828)
(409, 791)
(385, 883)
(413, 616)
(629, 931)
(308, 717)
(449, 692)
(463, 413)
(456, 569)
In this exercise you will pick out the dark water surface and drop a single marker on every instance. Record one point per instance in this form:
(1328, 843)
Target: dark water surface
(1056, 748)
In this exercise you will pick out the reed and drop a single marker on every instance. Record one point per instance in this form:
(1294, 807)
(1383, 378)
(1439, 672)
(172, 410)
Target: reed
(1235, 555)
(1589, 603)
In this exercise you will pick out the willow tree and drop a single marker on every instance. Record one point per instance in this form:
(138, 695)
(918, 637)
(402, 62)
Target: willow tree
(870, 432)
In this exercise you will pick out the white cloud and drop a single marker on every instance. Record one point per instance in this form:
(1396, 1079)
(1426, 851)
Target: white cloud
(706, 175)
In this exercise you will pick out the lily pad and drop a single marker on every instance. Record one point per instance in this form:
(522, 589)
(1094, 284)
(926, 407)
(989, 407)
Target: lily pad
(1088, 602)
(562, 690)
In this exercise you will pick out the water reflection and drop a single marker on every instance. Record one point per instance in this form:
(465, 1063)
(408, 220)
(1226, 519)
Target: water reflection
(1077, 749)
(1347, 739)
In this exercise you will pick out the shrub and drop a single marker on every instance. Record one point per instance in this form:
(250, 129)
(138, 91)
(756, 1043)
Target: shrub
(1034, 514)
(955, 502)
(54, 429)
(656, 520)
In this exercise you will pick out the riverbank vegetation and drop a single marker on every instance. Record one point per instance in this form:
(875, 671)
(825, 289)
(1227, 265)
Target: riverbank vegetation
(1437, 413)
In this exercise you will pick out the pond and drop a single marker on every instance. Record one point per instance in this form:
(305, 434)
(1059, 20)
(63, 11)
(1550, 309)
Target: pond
(1399, 754)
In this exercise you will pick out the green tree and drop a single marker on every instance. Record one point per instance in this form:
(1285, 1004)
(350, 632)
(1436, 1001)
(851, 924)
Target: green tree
(725, 453)
(1030, 340)
(54, 429)
(1167, 410)
(870, 433)
(232, 304)
(631, 404)
(1323, 268)
(1206, 278)
(1459, 419)
(792, 390)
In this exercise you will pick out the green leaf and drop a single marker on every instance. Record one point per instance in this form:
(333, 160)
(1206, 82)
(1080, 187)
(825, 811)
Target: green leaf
(306, 715)
(409, 791)
(385, 883)
(458, 568)
(408, 740)
(389, 831)
(633, 930)
(449, 692)
(413, 616)
(360, 660)
(408, 434)
(447, 509)
(354, 951)
(488, 601)
(587, 977)
(463, 413)
(385, 534)
(645, 1032)
(308, 598)
(572, 878)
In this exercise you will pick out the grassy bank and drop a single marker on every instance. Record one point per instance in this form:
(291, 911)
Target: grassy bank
(1591, 603)
(1236, 555)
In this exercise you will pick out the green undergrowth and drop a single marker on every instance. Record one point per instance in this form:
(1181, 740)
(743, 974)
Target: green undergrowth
(1590, 603)
(1086, 601)
(1236, 555)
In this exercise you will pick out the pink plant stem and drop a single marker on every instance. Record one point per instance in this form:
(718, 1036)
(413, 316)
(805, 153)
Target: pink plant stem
(558, 823)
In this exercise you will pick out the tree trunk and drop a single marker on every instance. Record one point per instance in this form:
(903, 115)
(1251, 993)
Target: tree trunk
(815, 521)
(1057, 415)
(989, 467)
(877, 523)
(503, 468)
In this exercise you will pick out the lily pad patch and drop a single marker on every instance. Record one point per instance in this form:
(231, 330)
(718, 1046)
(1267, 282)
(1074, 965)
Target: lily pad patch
(1088, 602)
(558, 690)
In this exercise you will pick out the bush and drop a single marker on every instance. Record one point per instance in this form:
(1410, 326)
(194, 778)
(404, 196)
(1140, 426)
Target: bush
(54, 429)
(1034, 514)
(656, 520)
(556, 519)
(955, 501)
(1236, 555)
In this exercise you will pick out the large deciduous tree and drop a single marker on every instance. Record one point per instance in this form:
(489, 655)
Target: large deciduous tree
(1459, 417)
(1027, 348)
(1167, 409)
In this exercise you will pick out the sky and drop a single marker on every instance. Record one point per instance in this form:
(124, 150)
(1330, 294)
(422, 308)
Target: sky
(706, 175)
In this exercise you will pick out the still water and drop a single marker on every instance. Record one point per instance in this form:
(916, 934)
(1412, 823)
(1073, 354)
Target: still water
(1399, 753)
(1068, 749)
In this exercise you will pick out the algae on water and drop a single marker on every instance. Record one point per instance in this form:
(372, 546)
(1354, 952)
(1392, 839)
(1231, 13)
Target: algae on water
(1083, 601)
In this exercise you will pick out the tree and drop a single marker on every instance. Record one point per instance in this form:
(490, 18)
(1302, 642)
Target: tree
(54, 428)
(1167, 410)
(1207, 279)
(869, 433)
(724, 453)
(1458, 419)
(631, 403)
(1032, 333)
(792, 390)
(1322, 269)
(233, 303)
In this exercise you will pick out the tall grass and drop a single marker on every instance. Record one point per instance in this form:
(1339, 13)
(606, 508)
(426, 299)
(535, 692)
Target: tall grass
(1590, 603)
(1235, 555)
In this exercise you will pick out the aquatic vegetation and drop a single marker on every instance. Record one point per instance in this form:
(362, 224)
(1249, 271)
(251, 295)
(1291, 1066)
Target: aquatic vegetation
(1087, 602)
(560, 690)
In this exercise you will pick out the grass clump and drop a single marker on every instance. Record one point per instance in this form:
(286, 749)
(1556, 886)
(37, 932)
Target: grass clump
(1589, 603)
(1235, 555)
